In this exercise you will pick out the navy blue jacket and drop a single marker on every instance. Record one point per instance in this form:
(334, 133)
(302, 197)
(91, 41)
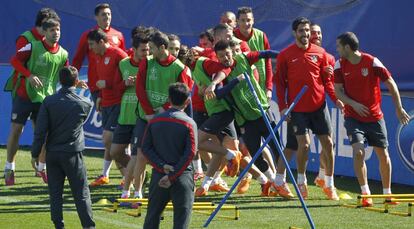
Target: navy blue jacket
(60, 122)
(170, 138)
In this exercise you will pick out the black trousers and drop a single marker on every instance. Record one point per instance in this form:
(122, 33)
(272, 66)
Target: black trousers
(181, 193)
(254, 132)
(68, 164)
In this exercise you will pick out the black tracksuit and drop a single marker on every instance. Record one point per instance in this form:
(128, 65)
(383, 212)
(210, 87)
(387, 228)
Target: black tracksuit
(170, 138)
(60, 124)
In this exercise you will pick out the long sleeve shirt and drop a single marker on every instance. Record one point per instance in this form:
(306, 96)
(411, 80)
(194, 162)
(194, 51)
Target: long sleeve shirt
(60, 123)
(170, 138)
(115, 38)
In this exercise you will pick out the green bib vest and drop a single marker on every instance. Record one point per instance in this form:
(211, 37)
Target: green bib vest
(45, 66)
(129, 100)
(203, 80)
(256, 43)
(244, 100)
(158, 80)
(10, 85)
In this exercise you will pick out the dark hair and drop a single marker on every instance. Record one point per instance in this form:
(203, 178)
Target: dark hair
(178, 93)
(221, 45)
(173, 37)
(349, 38)
(298, 21)
(314, 24)
(49, 23)
(139, 39)
(208, 34)
(100, 7)
(68, 76)
(159, 38)
(138, 31)
(97, 35)
(219, 28)
(184, 55)
(45, 13)
(243, 10)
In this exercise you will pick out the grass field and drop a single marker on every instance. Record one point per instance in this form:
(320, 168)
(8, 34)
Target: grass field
(26, 205)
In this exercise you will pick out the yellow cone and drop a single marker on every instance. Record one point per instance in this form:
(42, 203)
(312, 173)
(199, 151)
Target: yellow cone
(345, 196)
(103, 202)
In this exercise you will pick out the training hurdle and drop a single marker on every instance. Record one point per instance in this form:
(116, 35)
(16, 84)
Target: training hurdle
(198, 207)
(390, 200)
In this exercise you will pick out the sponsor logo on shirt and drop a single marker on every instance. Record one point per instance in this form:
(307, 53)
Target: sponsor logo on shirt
(106, 60)
(153, 74)
(115, 40)
(405, 142)
(364, 71)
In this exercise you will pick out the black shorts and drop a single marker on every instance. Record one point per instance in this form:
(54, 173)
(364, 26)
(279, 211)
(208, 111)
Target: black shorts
(139, 131)
(23, 109)
(200, 117)
(291, 142)
(220, 124)
(123, 134)
(318, 121)
(110, 117)
(375, 133)
(94, 96)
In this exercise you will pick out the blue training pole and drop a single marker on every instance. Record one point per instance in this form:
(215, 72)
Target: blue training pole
(258, 153)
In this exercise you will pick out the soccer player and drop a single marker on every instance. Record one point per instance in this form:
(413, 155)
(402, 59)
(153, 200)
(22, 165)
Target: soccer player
(16, 84)
(257, 40)
(110, 84)
(174, 44)
(228, 18)
(206, 39)
(357, 84)
(60, 125)
(303, 63)
(247, 113)
(38, 63)
(170, 143)
(123, 134)
(155, 74)
(103, 17)
(291, 143)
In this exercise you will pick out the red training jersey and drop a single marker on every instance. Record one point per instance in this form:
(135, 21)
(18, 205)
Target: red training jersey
(115, 38)
(296, 68)
(329, 82)
(107, 68)
(362, 83)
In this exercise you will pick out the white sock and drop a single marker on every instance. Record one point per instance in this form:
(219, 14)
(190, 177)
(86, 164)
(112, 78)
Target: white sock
(248, 175)
(280, 179)
(262, 179)
(329, 181)
(128, 151)
(106, 168)
(365, 189)
(197, 166)
(230, 154)
(321, 174)
(269, 174)
(10, 166)
(41, 166)
(302, 178)
(125, 193)
(386, 190)
(207, 182)
(216, 177)
(138, 194)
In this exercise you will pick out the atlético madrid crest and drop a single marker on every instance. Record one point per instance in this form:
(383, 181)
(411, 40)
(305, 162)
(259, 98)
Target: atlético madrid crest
(364, 71)
(115, 40)
(106, 60)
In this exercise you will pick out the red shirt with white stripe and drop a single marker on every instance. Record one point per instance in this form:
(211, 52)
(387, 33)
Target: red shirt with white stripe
(115, 38)
(361, 83)
(296, 68)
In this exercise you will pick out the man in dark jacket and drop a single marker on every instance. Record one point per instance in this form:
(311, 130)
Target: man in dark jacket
(60, 125)
(169, 144)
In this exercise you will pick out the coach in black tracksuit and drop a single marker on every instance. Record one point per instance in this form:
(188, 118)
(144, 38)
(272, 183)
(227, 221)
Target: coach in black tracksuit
(170, 143)
(61, 119)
